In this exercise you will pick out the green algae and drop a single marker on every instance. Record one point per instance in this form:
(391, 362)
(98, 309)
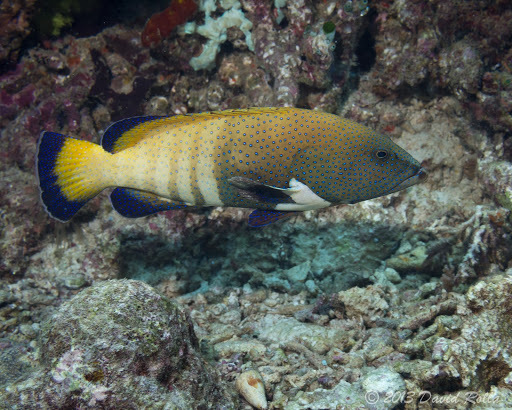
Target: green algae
(57, 15)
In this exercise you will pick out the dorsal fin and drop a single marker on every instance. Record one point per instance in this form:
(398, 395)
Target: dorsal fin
(128, 132)
(118, 137)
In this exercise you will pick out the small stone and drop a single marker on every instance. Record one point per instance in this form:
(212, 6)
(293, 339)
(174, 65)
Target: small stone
(343, 396)
(392, 275)
(6, 297)
(384, 382)
(74, 281)
(284, 330)
(412, 260)
(311, 287)
(299, 273)
(231, 317)
(250, 385)
(158, 105)
(368, 303)
(278, 284)
(378, 344)
(28, 330)
(231, 347)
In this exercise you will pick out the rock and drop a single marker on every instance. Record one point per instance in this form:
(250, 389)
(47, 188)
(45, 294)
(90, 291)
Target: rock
(343, 396)
(6, 297)
(392, 275)
(120, 344)
(460, 67)
(367, 303)
(379, 343)
(299, 273)
(278, 284)
(319, 339)
(382, 383)
(480, 354)
(231, 347)
(412, 260)
(74, 281)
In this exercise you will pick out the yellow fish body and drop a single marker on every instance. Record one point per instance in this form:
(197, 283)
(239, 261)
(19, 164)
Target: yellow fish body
(276, 160)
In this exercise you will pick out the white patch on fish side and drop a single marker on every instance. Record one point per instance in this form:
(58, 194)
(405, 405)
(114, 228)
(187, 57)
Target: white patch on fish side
(207, 182)
(305, 199)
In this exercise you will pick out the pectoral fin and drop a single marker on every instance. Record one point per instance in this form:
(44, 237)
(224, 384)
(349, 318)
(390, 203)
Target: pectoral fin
(298, 197)
(258, 192)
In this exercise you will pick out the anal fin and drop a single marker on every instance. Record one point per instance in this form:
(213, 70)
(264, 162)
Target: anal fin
(261, 217)
(132, 203)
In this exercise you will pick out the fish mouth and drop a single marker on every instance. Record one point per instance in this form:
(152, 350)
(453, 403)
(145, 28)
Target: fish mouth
(419, 176)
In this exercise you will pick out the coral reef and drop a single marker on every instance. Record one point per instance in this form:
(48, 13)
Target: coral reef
(447, 45)
(215, 30)
(400, 301)
(15, 19)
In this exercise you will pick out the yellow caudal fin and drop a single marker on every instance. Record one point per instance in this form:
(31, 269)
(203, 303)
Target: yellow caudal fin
(70, 172)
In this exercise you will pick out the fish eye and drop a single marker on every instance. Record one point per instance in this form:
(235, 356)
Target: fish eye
(381, 154)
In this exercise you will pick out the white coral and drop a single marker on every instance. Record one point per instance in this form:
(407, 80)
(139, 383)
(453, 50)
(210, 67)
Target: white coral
(215, 30)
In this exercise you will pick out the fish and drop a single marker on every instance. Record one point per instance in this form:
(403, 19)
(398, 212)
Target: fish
(277, 161)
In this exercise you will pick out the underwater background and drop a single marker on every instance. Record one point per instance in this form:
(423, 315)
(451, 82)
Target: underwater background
(403, 301)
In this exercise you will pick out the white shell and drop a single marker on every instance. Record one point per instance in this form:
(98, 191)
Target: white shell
(250, 385)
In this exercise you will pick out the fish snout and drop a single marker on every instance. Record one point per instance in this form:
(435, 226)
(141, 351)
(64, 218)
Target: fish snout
(419, 176)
